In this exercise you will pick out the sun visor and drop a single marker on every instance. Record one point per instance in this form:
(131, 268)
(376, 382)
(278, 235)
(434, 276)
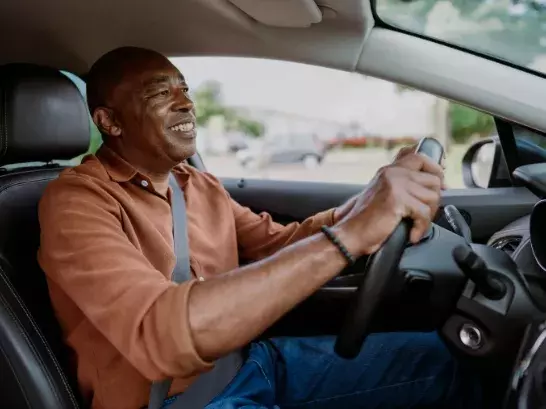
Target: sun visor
(281, 13)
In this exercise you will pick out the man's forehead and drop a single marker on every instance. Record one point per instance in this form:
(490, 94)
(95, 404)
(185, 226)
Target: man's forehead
(151, 71)
(161, 77)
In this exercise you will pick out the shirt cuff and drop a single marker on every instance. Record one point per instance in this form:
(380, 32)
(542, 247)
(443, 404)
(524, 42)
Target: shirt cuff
(326, 218)
(178, 344)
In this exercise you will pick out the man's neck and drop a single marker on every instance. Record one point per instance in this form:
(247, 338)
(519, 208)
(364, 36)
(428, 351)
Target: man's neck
(160, 182)
(158, 177)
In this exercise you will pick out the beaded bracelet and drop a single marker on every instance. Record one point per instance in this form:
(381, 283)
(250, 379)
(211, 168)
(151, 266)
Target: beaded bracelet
(336, 242)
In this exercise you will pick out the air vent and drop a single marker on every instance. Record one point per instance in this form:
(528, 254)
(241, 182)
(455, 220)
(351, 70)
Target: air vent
(507, 244)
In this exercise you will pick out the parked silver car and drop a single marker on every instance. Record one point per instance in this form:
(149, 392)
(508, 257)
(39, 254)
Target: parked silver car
(307, 149)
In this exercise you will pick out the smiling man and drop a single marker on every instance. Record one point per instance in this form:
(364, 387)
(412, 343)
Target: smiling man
(107, 251)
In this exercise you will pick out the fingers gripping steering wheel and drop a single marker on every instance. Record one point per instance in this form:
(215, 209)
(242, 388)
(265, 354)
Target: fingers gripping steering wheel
(380, 269)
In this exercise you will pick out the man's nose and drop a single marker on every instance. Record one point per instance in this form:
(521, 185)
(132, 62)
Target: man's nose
(182, 103)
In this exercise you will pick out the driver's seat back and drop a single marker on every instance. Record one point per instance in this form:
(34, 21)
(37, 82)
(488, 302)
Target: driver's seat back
(43, 117)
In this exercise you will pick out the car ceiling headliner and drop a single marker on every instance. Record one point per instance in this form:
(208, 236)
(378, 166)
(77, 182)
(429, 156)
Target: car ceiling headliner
(71, 34)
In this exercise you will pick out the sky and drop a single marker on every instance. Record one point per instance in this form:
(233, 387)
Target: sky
(296, 88)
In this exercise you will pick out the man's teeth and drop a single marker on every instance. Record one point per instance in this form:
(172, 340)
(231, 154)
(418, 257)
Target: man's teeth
(188, 126)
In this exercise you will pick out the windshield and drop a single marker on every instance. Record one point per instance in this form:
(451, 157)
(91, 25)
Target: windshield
(513, 30)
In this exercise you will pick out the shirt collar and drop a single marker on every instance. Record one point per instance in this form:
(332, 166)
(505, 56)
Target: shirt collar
(117, 168)
(120, 170)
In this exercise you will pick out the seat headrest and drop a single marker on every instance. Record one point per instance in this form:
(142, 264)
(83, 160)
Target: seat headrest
(43, 116)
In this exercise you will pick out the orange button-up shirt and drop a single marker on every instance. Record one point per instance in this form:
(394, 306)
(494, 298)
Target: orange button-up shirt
(107, 251)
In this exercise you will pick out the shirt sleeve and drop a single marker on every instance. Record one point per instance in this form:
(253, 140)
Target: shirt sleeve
(258, 236)
(86, 253)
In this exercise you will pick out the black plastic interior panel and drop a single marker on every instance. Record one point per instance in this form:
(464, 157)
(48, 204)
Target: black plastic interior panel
(533, 176)
(486, 210)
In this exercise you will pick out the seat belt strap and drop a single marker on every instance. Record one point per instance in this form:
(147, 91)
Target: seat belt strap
(209, 384)
(182, 269)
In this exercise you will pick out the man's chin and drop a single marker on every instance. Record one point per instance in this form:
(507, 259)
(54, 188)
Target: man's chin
(184, 151)
(178, 149)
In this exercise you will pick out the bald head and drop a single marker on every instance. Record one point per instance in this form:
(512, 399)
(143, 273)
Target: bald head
(110, 70)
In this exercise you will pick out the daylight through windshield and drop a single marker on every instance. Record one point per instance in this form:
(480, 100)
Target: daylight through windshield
(513, 30)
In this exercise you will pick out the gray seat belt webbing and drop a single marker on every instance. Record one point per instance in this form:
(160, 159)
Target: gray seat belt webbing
(209, 384)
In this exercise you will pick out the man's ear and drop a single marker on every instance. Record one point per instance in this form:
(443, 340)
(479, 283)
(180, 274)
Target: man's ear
(106, 122)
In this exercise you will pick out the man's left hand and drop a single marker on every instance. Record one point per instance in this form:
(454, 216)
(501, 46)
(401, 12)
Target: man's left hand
(343, 210)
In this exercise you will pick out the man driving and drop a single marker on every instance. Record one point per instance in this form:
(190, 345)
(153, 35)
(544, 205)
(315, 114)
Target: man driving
(107, 250)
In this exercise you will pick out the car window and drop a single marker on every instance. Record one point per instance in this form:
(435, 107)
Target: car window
(512, 30)
(534, 138)
(530, 145)
(96, 139)
(288, 121)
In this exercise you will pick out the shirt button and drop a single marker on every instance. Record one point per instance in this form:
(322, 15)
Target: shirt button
(144, 183)
(201, 278)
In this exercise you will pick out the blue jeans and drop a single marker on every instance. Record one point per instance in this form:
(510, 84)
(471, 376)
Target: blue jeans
(398, 370)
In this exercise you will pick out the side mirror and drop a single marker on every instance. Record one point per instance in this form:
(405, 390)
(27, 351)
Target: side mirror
(479, 163)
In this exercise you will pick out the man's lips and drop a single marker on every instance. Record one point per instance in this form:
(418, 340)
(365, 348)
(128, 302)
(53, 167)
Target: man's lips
(183, 126)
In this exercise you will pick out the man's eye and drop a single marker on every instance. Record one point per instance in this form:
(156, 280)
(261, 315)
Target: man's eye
(163, 93)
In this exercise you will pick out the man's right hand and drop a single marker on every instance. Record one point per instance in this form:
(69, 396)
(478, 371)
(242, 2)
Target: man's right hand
(409, 187)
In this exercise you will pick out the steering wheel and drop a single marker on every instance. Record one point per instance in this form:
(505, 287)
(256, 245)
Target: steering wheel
(379, 271)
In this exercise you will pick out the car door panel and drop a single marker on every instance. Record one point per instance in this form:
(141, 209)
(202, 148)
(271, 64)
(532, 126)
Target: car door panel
(487, 210)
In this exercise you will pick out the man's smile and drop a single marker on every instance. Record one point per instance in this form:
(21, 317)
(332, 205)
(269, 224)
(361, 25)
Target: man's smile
(184, 126)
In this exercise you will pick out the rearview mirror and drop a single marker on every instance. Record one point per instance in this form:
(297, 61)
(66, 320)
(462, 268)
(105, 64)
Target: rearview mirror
(479, 162)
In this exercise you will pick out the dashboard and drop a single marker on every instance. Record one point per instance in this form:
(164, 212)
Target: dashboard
(515, 240)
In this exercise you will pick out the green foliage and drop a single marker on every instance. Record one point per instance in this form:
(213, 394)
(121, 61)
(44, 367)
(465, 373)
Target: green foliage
(96, 139)
(209, 103)
(466, 122)
(247, 126)
(486, 26)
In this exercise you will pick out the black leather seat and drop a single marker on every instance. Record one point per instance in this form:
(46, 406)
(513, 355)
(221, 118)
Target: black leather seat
(43, 117)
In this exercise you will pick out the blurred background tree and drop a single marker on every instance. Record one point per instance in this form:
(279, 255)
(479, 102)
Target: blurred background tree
(463, 122)
(467, 122)
(209, 103)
